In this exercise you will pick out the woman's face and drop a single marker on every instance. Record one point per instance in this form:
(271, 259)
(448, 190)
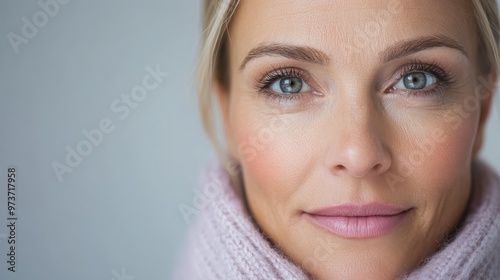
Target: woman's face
(355, 123)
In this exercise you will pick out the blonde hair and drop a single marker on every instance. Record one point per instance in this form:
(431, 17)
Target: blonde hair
(213, 63)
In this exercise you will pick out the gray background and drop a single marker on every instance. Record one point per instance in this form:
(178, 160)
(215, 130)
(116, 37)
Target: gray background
(117, 213)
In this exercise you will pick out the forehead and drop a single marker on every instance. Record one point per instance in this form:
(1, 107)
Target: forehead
(357, 27)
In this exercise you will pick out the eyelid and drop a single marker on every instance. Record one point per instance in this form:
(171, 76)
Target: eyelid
(266, 79)
(269, 77)
(443, 77)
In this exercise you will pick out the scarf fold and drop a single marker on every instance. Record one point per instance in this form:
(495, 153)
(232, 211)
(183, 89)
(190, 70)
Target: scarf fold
(224, 243)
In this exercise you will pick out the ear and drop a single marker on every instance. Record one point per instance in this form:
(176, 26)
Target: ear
(485, 91)
(223, 99)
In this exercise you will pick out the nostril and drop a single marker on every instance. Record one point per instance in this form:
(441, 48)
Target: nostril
(339, 168)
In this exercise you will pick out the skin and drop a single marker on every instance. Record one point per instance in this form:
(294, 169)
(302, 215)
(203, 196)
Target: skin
(352, 138)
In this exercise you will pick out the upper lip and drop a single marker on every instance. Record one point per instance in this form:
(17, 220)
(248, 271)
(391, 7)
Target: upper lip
(362, 210)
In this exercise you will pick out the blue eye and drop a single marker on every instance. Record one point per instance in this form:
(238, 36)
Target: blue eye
(416, 81)
(290, 85)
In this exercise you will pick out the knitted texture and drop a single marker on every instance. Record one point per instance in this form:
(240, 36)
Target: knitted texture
(475, 251)
(224, 243)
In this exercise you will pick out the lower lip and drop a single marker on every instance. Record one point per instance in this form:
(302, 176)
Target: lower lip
(358, 227)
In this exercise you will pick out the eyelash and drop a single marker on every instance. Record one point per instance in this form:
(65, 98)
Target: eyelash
(444, 79)
(269, 78)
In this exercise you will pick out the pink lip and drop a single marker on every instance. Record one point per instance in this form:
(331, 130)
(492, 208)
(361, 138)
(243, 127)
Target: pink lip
(359, 221)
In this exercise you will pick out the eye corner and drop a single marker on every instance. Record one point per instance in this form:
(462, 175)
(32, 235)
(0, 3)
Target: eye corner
(390, 89)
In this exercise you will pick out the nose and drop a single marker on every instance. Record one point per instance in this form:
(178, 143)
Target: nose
(359, 148)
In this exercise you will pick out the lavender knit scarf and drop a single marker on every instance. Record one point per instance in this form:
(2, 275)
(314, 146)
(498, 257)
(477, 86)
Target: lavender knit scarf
(224, 243)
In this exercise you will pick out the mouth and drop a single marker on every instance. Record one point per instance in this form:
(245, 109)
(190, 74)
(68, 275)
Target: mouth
(359, 221)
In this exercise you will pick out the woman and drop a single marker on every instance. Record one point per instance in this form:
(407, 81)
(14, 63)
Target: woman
(352, 130)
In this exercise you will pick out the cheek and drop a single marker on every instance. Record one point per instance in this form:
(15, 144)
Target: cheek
(272, 153)
(446, 168)
(440, 185)
(440, 161)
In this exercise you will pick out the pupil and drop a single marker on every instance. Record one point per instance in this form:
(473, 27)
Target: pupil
(291, 85)
(415, 81)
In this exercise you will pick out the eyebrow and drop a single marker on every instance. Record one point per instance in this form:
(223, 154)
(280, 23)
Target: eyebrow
(300, 53)
(315, 56)
(405, 48)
